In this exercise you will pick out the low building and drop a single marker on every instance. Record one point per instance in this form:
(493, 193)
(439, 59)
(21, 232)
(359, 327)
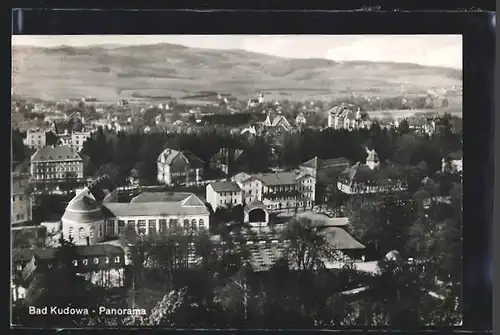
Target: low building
(223, 194)
(52, 166)
(182, 168)
(22, 207)
(102, 265)
(256, 214)
(366, 178)
(35, 138)
(343, 117)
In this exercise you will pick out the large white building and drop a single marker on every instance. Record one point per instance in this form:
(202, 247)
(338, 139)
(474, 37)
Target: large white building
(78, 138)
(89, 221)
(21, 200)
(53, 166)
(279, 191)
(224, 194)
(35, 138)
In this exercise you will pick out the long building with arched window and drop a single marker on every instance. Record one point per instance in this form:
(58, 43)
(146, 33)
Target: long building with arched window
(88, 220)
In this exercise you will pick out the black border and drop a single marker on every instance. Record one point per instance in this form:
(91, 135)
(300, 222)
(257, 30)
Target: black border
(478, 41)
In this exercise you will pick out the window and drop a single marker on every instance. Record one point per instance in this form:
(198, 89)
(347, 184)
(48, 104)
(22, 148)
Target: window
(172, 223)
(117, 259)
(141, 227)
(81, 233)
(75, 262)
(91, 235)
(106, 260)
(121, 226)
(101, 230)
(152, 226)
(70, 232)
(186, 224)
(163, 225)
(96, 260)
(193, 223)
(20, 198)
(85, 262)
(110, 227)
(201, 224)
(14, 198)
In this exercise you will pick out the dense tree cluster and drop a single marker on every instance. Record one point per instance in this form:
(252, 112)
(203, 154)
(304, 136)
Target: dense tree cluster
(120, 153)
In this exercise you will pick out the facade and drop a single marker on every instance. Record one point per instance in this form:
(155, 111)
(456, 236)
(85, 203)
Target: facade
(56, 164)
(182, 168)
(83, 220)
(342, 117)
(366, 178)
(256, 214)
(78, 138)
(223, 194)
(35, 138)
(89, 220)
(22, 209)
(278, 191)
(102, 264)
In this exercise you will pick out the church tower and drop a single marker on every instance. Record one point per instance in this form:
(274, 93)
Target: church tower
(261, 98)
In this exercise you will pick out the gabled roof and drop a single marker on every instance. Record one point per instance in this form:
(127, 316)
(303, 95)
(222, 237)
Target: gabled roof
(341, 239)
(341, 111)
(275, 179)
(317, 163)
(225, 186)
(357, 173)
(60, 153)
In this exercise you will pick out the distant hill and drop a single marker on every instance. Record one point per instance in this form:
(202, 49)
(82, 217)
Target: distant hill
(161, 70)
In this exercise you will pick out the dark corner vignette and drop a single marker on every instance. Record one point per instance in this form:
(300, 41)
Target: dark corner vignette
(194, 182)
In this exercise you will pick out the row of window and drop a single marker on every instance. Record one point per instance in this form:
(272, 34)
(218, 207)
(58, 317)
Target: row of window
(55, 176)
(96, 261)
(81, 232)
(59, 169)
(21, 217)
(227, 202)
(18, 198)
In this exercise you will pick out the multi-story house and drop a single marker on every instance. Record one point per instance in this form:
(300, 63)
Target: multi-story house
(224, 194)
(21, 200)
(342, 117)
(35, 138)
(278, 191)
(54, 165)
(175, 167)
(78, 138)
(88, 220)
(229, 161)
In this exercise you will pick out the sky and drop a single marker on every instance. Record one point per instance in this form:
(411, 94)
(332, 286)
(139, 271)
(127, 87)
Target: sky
(430, 50)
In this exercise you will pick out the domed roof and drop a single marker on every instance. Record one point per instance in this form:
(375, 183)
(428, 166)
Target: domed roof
(83, 209)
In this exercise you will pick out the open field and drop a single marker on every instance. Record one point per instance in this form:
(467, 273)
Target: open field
(165, 70)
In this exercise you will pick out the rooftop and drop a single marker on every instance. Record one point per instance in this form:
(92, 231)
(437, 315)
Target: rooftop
(225, 186)
(341, 239)
(158, 204)
(318, 163)
(278, 178)
(59, 153)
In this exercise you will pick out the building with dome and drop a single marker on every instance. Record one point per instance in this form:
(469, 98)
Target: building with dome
(91, 217)
(83, 220)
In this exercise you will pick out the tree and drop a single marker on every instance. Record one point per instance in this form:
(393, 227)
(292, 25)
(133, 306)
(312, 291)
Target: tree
(307, 248)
